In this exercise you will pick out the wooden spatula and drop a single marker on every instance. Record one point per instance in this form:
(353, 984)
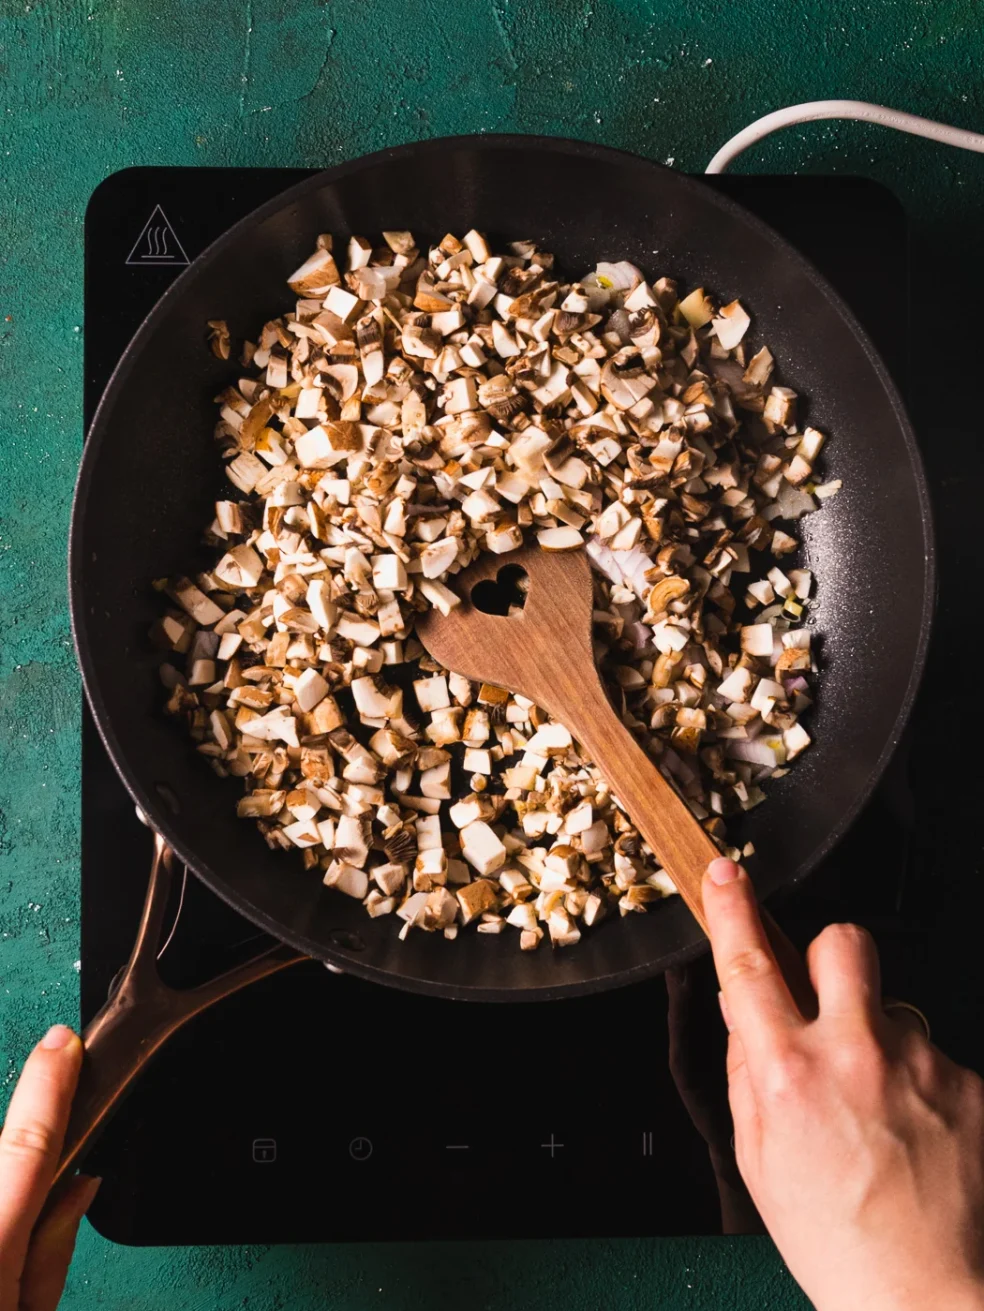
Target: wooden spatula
(544, 652)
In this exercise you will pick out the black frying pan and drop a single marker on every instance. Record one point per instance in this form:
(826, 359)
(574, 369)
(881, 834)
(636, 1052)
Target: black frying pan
(150, 473)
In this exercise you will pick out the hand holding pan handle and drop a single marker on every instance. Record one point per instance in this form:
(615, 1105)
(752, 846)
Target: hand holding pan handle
(141, 1014)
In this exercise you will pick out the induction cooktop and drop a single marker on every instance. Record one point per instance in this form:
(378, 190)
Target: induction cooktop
(315, 1106)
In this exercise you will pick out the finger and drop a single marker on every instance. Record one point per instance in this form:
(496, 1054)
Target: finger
(52, 1245)
(843, 965)
(759, 1003)
(736, 1065)
(739, 1086)
(741, 1095)
(32, 1138)
(741, 1099)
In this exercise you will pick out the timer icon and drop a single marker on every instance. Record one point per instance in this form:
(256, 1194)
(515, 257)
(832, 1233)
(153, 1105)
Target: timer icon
(360, 1149)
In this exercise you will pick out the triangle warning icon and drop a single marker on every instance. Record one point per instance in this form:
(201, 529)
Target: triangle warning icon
(158, 243)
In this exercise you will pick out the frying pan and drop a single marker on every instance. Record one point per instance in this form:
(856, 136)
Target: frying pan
(150, 473)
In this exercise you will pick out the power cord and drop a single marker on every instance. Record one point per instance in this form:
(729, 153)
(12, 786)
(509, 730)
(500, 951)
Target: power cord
(814, 110)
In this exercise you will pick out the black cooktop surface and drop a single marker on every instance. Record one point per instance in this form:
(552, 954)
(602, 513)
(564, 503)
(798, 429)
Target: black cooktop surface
(315, 1106)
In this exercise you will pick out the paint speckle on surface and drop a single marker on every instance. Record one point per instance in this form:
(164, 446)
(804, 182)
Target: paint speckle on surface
(89, 89)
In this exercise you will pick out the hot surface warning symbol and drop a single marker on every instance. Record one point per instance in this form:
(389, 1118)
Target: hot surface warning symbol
(158, 243)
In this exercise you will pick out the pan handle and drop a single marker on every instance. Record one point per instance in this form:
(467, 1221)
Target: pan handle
(141, 1014)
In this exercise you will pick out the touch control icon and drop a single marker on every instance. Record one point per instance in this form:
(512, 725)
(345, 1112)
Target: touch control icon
(360, 1149)
(264, 1151)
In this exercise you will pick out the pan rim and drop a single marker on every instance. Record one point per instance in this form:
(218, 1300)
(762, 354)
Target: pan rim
(153, 807)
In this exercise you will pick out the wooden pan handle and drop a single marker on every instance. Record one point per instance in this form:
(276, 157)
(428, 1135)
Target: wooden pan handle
(662, 817)
(140, 1016)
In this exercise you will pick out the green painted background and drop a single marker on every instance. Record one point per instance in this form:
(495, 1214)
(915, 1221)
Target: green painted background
(88, 88)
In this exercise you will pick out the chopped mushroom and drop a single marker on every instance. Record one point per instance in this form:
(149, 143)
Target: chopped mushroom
(414, 408)
(218, 337)
(481, 847)
(731, 325)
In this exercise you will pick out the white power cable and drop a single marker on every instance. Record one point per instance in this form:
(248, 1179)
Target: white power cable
(857, 109)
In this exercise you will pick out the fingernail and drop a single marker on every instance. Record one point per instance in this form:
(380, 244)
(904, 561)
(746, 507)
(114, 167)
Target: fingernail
(59, 1035)
(722, 870)
(724, 1011)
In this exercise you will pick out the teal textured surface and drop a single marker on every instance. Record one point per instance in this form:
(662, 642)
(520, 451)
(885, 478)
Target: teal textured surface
(87, 88)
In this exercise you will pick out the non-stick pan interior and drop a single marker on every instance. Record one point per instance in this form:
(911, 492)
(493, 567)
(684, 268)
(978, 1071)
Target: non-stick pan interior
(150, 474)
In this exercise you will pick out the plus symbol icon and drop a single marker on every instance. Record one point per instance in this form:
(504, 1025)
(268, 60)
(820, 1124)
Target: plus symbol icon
(553, 1146)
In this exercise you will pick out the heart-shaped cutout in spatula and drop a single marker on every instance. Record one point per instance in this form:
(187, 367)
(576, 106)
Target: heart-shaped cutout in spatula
(524, 623)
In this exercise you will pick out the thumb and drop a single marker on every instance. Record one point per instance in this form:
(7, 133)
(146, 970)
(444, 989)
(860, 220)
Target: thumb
(52, 1245)
(31, 1138)
(741, 1097)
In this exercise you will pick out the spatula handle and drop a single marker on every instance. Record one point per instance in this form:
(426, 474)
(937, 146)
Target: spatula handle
(664, 820)
(668, 826)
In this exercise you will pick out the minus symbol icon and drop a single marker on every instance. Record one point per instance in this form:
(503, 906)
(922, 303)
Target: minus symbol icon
(456, 1147)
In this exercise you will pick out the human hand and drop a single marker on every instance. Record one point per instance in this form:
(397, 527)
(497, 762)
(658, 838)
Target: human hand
(35, 1251)
(861, 1144)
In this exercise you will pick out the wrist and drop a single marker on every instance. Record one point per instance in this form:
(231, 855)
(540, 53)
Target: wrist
(969, 1297)
(964, 1297)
